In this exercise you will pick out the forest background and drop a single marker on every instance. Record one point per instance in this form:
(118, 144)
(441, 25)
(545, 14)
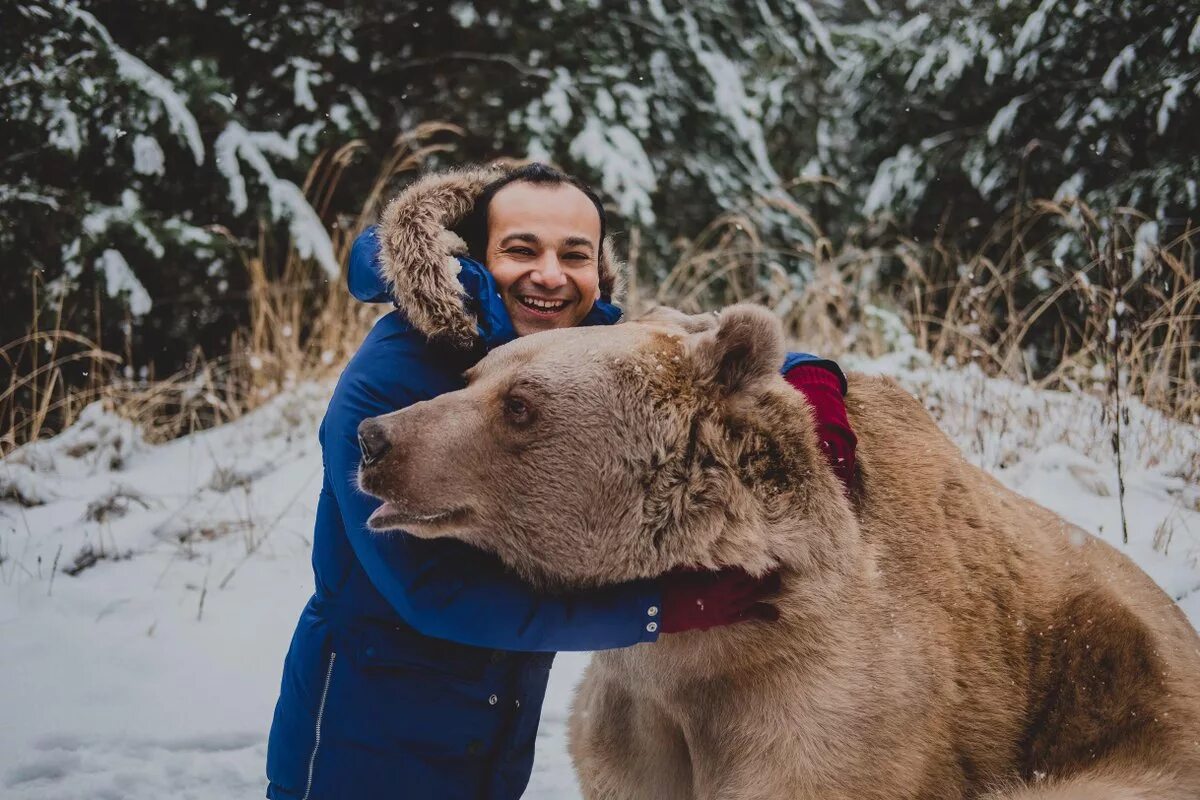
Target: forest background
(1013, 183)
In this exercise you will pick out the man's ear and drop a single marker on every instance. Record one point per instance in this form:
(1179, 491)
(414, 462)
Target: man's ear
(744, 346)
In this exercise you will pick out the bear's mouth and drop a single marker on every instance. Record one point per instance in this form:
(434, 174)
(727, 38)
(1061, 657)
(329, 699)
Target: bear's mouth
(390, 516)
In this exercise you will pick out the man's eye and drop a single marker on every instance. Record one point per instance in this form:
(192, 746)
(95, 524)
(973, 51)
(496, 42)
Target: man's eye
(519, 251)
(578, 257)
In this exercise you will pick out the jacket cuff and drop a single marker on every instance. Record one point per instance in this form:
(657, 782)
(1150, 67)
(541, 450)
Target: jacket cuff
(794, 360)
(812, 375)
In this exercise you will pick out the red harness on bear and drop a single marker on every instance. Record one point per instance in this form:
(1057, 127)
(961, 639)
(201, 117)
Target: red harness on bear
(697, 599)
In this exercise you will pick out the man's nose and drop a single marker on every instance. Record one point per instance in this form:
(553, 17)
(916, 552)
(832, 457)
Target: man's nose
(549, 272)
(372, 441)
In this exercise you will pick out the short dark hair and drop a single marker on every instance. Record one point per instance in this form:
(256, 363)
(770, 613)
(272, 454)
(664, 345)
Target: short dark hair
(474, 227)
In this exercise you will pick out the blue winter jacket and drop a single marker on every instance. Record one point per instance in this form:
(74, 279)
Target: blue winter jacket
(418, 667)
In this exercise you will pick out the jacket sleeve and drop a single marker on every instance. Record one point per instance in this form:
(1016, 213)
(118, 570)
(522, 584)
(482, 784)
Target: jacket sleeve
(449, 590)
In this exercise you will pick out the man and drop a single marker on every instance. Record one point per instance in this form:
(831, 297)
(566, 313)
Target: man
(418, 668)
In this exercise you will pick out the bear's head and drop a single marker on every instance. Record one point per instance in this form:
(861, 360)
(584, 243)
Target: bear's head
(601, 454)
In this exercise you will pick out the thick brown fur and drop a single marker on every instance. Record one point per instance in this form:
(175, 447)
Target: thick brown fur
(418, 249)
(940, 636)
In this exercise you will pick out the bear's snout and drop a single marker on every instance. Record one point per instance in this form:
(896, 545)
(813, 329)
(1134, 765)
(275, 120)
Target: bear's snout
(373, 441)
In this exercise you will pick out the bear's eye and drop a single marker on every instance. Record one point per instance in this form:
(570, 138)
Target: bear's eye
(516, 408)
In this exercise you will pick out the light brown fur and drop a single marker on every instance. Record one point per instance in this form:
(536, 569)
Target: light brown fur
(940, 636)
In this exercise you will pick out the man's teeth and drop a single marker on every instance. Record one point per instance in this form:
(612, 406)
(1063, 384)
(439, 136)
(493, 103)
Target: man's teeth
(544, 305)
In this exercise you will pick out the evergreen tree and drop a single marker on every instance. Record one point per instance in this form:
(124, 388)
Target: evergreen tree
(150, 143)
(960, 110)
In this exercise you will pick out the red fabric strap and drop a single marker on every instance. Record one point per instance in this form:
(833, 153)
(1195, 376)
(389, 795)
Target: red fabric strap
(824, 393)
(695, 599)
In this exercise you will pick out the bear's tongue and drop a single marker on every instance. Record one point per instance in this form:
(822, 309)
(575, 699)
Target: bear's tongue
(391, 514)
(384, 511)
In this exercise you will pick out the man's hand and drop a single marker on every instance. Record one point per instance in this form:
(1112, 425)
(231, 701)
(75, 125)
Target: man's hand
(699, 599)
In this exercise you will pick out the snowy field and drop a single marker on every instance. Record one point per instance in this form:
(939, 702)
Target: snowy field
(147, 594)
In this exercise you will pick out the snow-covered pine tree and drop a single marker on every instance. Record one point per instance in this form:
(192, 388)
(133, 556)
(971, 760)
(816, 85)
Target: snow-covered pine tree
(137, 127)
(134, 128)
(955, 111)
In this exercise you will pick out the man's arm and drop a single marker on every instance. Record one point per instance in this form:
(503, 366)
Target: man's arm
(449, 590)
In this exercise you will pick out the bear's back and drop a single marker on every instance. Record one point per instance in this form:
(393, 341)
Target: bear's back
(1098, 652)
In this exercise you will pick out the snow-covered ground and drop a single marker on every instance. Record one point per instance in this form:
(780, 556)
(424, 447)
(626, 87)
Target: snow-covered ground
(152, 671)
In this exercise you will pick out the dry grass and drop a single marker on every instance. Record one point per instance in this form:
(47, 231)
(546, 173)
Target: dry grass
(1116, 319)
(1106, 315)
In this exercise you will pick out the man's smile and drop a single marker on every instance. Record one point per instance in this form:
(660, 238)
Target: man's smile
(543, 306)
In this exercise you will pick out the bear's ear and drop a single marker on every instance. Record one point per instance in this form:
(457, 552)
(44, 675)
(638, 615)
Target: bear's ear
(745, 345)
(690, 323)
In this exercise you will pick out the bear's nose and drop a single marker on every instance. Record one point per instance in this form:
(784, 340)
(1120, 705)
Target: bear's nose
(372, 441)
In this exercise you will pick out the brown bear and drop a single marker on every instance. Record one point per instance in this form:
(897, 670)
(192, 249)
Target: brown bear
(940, 636)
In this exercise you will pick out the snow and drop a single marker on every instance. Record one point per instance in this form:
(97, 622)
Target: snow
(898, 178)
(137, 72)
(557, 99)
(819, 31)
(464, 14)
(306, 76)
(1122, 61)
(1145, 243)
(97, 223)
(63, 125)
(154, 670)
(1003, 121)
(25, 193)
(118, 278)
(1175, 88)
(309, 235)
(731, 99)
(148, 157)
(1031, 30)
(626, 174)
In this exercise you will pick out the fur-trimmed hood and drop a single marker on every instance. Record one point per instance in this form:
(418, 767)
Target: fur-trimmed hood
(420, 259)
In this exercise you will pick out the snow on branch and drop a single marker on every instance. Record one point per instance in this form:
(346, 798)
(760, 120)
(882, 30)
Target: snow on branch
(118, 278)
(1175, 88)
(819, 31)
(731, 100)
(1003, 121)
(1031, 31)
(1123, 60)
(899, 178)
(287, 200)
(626, 173)
(137, 72)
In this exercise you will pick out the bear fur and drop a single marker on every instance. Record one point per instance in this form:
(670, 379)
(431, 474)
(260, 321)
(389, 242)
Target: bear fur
(940, 636)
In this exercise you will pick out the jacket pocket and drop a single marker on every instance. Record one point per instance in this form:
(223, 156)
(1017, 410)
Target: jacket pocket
(401, 648)
(417, 711)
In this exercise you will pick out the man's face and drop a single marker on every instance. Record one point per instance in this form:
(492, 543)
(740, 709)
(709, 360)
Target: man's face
(543, 250)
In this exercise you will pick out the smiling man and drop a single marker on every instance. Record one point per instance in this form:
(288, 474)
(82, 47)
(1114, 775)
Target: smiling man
(540, 235)
(547, 277)
(418, 667)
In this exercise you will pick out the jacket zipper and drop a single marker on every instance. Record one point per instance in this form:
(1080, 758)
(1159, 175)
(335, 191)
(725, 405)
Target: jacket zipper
(312, 759)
